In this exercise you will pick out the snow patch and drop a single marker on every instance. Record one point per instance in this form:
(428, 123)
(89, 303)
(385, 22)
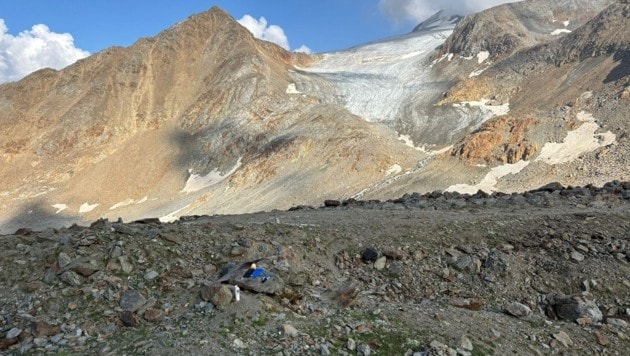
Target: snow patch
(579, 141)
(494, 110)
(566, 23)
(128, 202)
(477, 72)
(489, 182)
(395, 169)
(482, 56)
(196, 182)
(86, 207)
(60, 207)
(409, 142)
(173, 216)
(560, 31)
(292, 89)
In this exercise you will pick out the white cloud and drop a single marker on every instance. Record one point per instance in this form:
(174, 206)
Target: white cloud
(271, 33)
(416, 11)
(35, 49)
(303, 49)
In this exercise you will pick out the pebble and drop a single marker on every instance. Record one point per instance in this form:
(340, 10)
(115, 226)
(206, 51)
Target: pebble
(379, 264)
(71, 278)
(239, 344)
(288, 330)
(218, 294)
(151, 275)
(14, 332)
(364, 349)
(153, 315)
(518, 310)
(577, 256)
(63, 259)
(601, 339)
(465, 343)
(620, 323)
(351, 344)
(563, 338)
(132, 300)
(323, 350)
(85, 269)
(237, 251)
(128, 318)
(124, 264)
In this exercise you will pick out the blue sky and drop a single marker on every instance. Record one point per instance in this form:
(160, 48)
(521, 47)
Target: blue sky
(75, 28)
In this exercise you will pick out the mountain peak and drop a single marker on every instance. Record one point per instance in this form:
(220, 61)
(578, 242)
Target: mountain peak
(438, 21)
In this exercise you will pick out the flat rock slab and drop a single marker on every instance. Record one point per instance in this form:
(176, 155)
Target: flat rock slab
(233, 274)
(132, 300)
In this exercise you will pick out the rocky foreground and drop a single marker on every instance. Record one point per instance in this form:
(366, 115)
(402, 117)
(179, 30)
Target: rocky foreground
(544, 272)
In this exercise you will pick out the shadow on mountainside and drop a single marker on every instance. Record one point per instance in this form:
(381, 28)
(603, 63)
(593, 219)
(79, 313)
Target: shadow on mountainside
(37, 215)
(622, 70)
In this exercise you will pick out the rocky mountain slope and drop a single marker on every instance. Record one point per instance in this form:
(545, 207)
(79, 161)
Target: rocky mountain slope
(546, 272)
(204, 118)
(197, 117)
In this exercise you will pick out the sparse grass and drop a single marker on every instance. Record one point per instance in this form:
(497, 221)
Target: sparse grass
(260, 321)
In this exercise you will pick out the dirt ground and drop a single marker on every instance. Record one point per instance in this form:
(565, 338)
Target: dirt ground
(545, 272)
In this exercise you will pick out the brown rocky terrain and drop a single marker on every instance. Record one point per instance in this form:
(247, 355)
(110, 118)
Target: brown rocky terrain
(545, 272)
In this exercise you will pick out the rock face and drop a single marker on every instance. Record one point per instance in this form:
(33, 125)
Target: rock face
(512, 27)
(204, 118)
(499, 141)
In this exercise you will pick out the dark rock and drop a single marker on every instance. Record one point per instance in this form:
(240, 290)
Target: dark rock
(331, 203)
(152, 221)
(128, 318)
(572, 308)
(100, 223)
(369, 255)
(5, 343)
(124, 229)
(131, 300)
(551, 187)
(23, 232)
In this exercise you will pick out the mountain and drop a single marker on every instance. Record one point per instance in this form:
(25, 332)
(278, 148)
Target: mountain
(439, 20)
(199, 115)
(205, 119)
